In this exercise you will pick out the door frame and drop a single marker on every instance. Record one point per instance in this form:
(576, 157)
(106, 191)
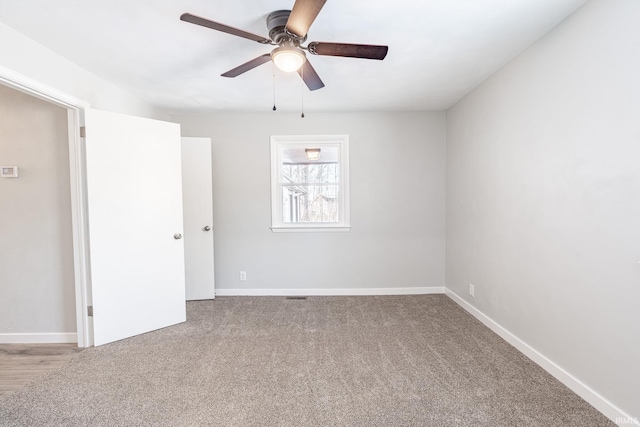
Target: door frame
(75, 119)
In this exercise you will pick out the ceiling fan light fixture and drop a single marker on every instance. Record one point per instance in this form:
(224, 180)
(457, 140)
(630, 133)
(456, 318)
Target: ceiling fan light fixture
(288, 58)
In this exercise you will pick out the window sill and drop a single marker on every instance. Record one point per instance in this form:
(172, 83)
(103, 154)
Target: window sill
(310, 229)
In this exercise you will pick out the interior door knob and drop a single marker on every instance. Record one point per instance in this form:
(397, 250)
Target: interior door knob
(207, 228)
(177, 236)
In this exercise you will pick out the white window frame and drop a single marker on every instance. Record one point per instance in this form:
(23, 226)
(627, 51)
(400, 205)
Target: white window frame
(278, 142)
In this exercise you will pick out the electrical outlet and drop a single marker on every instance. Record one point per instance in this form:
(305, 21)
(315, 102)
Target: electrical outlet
(243, 276)
(472, 290)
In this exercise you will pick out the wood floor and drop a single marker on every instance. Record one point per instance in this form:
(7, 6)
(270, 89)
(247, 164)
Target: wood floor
(22, 363)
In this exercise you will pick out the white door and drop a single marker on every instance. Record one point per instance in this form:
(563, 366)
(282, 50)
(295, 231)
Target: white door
(197, 190)
(134, 195)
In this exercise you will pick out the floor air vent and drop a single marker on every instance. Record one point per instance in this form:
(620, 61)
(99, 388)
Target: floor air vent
(295, 297)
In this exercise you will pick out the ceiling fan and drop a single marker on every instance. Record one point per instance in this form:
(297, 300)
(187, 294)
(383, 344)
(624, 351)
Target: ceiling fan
(288, 30)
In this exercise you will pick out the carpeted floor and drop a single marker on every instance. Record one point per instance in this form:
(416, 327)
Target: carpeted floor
(324, 361)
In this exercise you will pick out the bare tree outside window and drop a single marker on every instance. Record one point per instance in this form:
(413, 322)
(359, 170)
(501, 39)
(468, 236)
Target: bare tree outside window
(311, 192)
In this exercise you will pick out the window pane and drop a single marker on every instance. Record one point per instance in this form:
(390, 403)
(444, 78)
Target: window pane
(310, 203)
(297, 168)
(310, 173)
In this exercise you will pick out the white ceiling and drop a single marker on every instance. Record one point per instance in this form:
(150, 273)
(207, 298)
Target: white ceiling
(438, 49)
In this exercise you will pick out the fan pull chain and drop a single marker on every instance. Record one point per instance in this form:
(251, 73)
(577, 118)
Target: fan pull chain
(274, 86)
(302, 92)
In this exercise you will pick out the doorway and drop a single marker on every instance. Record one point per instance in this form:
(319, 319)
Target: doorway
(76, 167)
(36, 254)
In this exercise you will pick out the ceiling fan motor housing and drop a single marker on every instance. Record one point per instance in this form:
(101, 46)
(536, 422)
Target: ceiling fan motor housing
(276, 22)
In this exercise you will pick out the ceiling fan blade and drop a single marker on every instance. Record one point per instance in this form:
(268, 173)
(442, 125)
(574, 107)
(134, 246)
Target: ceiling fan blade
(310, 77)
(302, 15)
(193, 19)
(366, 51)
(248, 66)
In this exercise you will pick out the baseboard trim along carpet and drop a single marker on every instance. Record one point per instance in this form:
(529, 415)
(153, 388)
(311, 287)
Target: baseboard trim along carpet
(578, 387)
(41, 338)
(329, 292)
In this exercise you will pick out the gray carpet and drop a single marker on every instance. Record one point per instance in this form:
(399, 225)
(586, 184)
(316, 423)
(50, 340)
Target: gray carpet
(324, 361)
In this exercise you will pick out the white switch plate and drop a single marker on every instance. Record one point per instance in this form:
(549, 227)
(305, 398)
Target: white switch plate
(8, 171)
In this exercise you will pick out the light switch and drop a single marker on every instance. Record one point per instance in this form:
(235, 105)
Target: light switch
(8, 171)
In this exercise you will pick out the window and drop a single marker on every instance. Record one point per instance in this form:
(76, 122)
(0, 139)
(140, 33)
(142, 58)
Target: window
(310, 183)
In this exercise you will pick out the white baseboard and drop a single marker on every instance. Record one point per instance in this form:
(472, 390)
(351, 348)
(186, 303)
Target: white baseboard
(330, 292)
(607, 408)
(44, 338)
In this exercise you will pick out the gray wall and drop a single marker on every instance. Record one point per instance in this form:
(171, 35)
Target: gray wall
(543, 198)
(397, 203)
(36, 255)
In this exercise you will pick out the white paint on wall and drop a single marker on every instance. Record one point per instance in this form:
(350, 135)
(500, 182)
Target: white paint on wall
(397, 203)
(543, 198)
(20, 54)
(36, 255)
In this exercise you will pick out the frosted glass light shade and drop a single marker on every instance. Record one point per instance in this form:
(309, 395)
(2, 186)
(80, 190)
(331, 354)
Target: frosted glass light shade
(288, 59)
(312, 154)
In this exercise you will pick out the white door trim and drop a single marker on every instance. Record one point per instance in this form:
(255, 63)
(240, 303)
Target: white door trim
(75, 108)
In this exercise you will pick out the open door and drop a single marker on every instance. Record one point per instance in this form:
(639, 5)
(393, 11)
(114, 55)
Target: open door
(134, 197)
(197, 190)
